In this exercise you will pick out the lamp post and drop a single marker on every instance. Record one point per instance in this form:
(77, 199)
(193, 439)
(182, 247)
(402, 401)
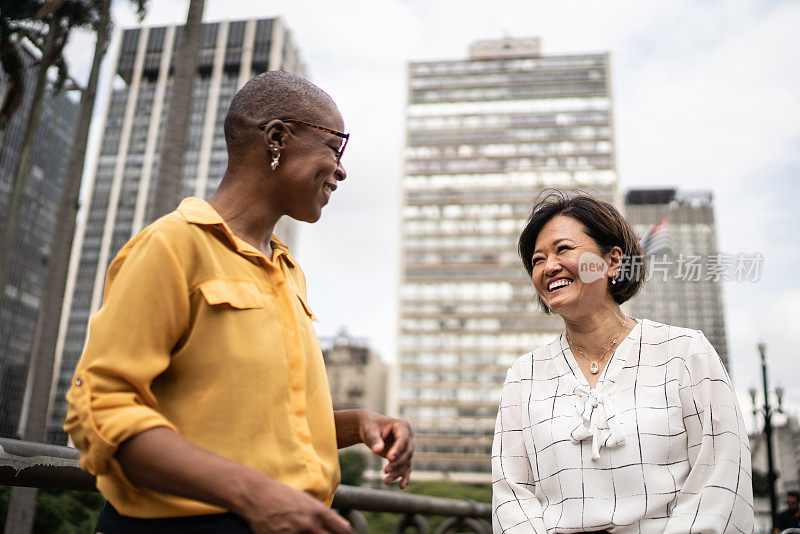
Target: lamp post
(768, 411)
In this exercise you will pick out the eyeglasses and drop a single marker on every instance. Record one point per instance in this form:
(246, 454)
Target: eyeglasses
(344, 136)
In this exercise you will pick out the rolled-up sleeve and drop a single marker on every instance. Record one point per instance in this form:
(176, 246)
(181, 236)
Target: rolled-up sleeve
(515, 508)
(144, 314)
(717, 496)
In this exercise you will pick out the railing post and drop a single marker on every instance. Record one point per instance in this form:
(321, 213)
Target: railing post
(454, 525)
(411, 520)
(357, 521)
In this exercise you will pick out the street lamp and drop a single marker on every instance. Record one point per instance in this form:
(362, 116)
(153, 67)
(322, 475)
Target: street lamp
(768, 412)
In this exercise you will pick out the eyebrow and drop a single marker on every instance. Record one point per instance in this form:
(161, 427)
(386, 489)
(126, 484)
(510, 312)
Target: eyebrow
(556, 242)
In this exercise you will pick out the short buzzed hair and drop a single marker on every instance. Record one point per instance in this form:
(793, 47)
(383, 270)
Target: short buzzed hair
(272, 95)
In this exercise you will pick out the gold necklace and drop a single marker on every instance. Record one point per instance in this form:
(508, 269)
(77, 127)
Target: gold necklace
(594, 367)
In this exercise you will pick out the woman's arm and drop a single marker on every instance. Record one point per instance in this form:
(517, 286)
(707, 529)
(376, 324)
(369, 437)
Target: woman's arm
(717, 495)
(160, 459)
(515, 508)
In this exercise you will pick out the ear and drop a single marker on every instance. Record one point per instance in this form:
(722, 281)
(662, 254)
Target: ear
(274, 134)
(614, 260)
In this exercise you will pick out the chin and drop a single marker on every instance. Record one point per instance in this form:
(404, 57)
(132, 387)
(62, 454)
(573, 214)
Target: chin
(306, 217)
(558, 307)
(310, 218)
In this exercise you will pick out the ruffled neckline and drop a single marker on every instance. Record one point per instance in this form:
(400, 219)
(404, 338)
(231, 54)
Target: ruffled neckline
(595, 415)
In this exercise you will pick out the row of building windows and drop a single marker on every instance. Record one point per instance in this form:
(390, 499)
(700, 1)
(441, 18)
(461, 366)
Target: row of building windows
(439, 243)
(522, 182)
(452, 429)
(481, 324)
(518, 135)
(519, 342)
(441, 258)
(513, 164)
(469, 291)
(435, 325)
(457, 211)
(457, 377)
(462, 226)
(515, 64)
(463, 359)
(463, 273)
(511, 120)
(478, 308)
(510, 106)
(452, 394)
(508, 149)
(507, 92)
(507, 77)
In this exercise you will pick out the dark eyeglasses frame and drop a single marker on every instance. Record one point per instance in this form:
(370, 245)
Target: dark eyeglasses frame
(345, 136)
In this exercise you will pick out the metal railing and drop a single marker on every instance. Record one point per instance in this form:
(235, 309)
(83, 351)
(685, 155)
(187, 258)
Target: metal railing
(39, 465)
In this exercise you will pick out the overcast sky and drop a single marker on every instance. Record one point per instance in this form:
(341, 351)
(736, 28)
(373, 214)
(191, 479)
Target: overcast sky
(706, 96)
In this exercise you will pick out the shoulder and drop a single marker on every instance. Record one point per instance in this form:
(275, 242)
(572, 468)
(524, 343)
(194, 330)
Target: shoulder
(523, 366)
(171, 232)
(656, 330)
(174, 230)
(677, 340)
(698, 356)
(164, 244)
(169, 229)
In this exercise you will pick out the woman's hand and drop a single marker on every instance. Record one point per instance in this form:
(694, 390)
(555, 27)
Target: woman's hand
(387, 437)
(272, 507)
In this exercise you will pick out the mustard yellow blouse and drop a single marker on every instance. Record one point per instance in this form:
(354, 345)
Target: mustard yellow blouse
(201, 333)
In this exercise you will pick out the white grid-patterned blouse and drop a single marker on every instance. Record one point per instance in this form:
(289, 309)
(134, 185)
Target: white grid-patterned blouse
(658, 446)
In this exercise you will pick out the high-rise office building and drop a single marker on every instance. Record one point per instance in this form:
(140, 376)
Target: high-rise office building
(484, 136)
(684, 285)
(52, 145)
(231, 53)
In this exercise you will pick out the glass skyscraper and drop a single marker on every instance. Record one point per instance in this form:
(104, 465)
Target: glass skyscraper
(484, 136)
(685, 284)
(52, 145)
(120, 189)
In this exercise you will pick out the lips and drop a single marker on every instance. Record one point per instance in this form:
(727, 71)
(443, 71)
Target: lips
(329, 187)
(558, 283)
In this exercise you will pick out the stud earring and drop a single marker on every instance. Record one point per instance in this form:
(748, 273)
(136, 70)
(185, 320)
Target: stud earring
(275, 160)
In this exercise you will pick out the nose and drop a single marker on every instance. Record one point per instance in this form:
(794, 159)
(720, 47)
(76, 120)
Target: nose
(551, 265)
(340, 173)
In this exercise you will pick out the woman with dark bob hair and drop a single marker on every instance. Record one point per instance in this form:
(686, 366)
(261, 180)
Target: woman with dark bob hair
(618, 425)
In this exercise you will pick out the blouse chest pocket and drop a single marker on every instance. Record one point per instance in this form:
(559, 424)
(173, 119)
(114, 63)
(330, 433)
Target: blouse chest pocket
(305, 307)
(241, 295)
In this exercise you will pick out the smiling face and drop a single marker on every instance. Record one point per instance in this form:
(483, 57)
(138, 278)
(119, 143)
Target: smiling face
(565, 281)
(308, 169)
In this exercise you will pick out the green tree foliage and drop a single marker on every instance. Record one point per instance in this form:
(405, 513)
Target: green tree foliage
(353, 464)
(383, 522)
(60, 512)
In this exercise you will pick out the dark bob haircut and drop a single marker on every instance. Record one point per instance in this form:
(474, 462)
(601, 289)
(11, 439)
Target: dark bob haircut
(602, 222)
